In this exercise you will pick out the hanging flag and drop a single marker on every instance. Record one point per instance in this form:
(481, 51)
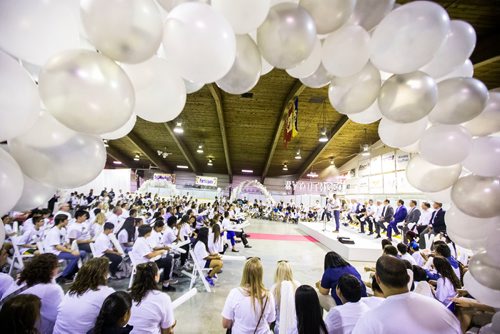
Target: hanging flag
(289, 124)
(295, 128)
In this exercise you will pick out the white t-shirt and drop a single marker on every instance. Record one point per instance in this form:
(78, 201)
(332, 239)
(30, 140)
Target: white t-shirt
(238, 308)
(155, 311)
(201, 253)
(215, 247)
(77, 314)
(423, 288)
(155, 239)
(102, 244)
(445, 290)
(409, 258)
(372, 301)
(27, 225)
(169, 236)
(419, 259)
(418, 313)
(5, 282)
(50, 295)
(54, 237)
(139, 251)
(79, 231)
(341, 319)
(185, 231)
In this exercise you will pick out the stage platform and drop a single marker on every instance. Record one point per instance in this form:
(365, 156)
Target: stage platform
(365, 248)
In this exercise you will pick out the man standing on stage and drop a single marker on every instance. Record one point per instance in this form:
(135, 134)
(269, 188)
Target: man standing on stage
(336, 211)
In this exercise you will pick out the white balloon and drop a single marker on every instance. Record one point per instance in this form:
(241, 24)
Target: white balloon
(34, 195)
(244, 15)
(469, 232)
(199, 42)
(86, 91)
(168, 5)
(368, 116)
(308, 66)
(346, 51)
(492, 245)
(160, 91)
(11, 182)
(354, 94)
(477, 196)
(445, 145)
(459, 100)
(412, 148)
(19, 100)
(483, 268)
(466, 70)
(329, 15)
(482, 293)
(36, 30)
(409, 36)
(488, 121)
(401, 134)
(266, 67)
(368, 13)
(55, 155)
(123, 131)
(455, 50)
(192, 87)
(245, 72)
(128, 31)
(287, 36)
(320, 78)
(484, 157)
(431, 178)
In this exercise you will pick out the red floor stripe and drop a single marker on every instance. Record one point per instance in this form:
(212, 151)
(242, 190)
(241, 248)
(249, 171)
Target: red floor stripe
(281, 237)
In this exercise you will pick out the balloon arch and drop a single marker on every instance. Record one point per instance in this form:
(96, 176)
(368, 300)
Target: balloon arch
(251, 184)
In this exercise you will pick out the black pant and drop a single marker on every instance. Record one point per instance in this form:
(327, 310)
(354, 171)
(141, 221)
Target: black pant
(328, 215)
(242, 236)
(184, 256)
(115, 261)
(368, 220)
(379, 225)
(84, 247)
(167, 264)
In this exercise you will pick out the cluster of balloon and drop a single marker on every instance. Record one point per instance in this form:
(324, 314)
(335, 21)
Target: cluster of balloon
(407, 66)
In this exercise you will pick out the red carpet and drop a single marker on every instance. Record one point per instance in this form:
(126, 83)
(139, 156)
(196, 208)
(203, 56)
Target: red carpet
(281, 237)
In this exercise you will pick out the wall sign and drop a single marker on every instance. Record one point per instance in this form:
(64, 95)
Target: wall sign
(165, 177)
(207, 181)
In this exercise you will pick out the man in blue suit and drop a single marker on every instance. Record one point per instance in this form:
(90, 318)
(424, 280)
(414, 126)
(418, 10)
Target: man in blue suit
(399, 217)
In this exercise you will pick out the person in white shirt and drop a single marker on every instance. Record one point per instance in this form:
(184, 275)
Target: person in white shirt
(81, 304)
(403, 250)
(64, 210)
(420, 280)
(170, 233)
(104, 247)
(152, 311)
(80, 231)
(284, 278)
(206, 259)
(342, 318)
(414, 251)
(37, 279)
(5, 282)
(115, 218)
(142, 252)
(378, 295)
(392, 277)
(215, 242)
(448, 283)
(424, 221)
(55, 243)
(27, 242)
(114, 314)
(249, 308)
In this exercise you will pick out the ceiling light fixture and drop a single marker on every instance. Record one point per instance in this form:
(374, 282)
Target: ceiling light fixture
(248, 171)
(323, 138)
(116, 162)
(285, 166)
(105, 141)
(136, 157)
(297, 155)
(332, 161)
(163, 154)
(182, 167)
(312, 174)
(200, 149)
(210, 162)
(178, 128)
(365, 148)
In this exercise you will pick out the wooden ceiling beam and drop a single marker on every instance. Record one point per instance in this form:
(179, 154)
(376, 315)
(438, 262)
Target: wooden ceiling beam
(184, 150)
(217, 96)
(309, 162)
(148, 152)
(296, 90)
(120, 156)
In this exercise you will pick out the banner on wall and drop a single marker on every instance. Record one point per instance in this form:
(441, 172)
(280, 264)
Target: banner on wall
(402, 159)
(314, 187)
(376, 165)
(389, 162)
(207, 181)
(165, 177)
(364, 167)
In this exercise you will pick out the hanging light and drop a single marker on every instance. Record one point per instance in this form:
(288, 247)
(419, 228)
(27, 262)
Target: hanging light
(136, 157)
(178, 128)
(312, 174)
(297, 155)
(332, 161)
(365, 148)
(285, 166)
(200, 149)
(105, 141)
(210, 162)
(323, 138)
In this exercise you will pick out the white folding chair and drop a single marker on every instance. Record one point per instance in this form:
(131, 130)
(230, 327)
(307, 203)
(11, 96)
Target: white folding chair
(74, 247)
(92, 249)
(134, 270)
(18, 257)
(15, 227)
(198, 271)
(116, 244)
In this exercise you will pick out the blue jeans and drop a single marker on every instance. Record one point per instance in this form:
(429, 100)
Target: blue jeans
(392, 226)
(230, 236)
(336, 215)
(72, 265)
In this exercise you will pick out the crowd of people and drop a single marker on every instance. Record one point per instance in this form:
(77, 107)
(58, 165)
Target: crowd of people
(106, 236)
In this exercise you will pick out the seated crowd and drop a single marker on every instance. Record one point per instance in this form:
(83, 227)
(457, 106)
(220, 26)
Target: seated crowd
(101, 238)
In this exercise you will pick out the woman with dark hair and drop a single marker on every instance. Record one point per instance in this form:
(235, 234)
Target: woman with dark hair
(309, 311)
(152, 310)
(184, 233)
(205, 258)
(422, 287)
(80, 306)
(215, 243)
(126, 234)
(335, 267)
(114, 315)
(448, 282)
(20, 314)
(37, 279)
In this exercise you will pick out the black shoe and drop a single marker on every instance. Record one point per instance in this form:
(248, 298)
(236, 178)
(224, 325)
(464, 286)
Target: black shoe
(248, 246)
(235, 251)
(247, 235)
(370, 233)
(168, 288)
(363, 232)
(378, 236)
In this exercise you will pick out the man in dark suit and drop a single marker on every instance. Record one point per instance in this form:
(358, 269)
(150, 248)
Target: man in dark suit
(386, 217)
(399, 217)
(436, 224)
(412, 218)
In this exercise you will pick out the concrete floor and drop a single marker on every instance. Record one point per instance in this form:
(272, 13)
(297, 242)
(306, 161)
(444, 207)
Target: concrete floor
(201, 314)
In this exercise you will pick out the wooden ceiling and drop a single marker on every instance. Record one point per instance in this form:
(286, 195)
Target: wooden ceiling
(247, 132)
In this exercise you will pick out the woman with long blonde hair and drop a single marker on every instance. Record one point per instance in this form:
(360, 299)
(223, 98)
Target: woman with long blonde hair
(283, 291)
(97, 225)
(249, 308)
